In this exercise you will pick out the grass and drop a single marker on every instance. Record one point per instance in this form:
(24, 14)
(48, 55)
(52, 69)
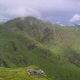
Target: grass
(19, 74)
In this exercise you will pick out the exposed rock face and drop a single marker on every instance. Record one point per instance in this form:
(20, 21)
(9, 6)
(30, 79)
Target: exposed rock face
(1, 78)
(36, 72)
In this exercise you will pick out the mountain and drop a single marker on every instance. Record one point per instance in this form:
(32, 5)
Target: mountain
(53, 48)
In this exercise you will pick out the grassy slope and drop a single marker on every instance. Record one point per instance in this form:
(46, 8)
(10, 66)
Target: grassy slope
(22, 47)
(19, 74)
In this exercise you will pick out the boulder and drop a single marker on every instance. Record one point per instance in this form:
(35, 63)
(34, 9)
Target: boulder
(39, 72)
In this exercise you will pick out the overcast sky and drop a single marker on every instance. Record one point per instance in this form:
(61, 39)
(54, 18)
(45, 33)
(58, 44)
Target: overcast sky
(55, 11)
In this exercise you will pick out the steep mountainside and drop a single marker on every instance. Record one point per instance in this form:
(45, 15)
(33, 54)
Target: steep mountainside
(53, 48)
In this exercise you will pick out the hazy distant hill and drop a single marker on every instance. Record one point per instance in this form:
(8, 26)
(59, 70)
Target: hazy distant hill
(1, 22)
(77, 25)
(31, 41)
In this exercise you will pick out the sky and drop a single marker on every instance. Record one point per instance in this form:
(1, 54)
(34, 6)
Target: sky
(55, 11)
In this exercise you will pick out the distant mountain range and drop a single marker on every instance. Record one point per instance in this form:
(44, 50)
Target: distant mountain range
(71, 24)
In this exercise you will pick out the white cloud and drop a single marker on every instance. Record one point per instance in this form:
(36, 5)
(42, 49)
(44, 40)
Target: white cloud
(22, 11)
(76, 17)
(18, 8)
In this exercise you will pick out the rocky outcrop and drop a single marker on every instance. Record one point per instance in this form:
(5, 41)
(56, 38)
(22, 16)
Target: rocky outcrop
(3, 63)
(36, 72)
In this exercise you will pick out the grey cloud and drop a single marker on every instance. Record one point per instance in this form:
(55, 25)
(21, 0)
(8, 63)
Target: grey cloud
(21, 8)
(22, 11)
(38, 8)
(17, 8)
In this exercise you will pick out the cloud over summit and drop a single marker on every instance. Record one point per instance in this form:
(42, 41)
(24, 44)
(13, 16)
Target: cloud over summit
(38, 8)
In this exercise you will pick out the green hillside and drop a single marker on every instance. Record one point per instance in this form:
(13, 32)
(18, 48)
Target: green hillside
(53, 48)
(19, 74)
